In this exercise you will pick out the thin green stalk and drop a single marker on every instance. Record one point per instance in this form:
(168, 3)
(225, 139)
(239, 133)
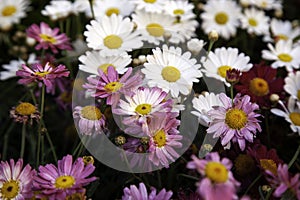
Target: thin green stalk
(77, 148)
(211, 43)
(23, 140)
(253, 183)
(92, 9)
(38, 154)
(6, 139)
(51, 146)
(189, 177)
(42, 148)
(231, 93)
(61, 26)
(38, 149)
(68, 25)
(294, 157)
(33, 97)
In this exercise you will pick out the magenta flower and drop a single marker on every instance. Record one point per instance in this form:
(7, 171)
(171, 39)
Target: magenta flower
(68, 178)
(235, 122)
(48, 38)
(134, 193)
(218, 181)
(15, 182)
(39, 73)
(110, 86)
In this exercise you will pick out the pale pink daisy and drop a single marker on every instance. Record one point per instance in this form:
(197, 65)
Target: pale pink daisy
(48, 38)
(218, 181)
(234, 121)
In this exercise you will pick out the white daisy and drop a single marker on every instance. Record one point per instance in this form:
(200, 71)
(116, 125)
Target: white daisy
(182, 9)
(153, 6)
(109, 7)
(84, 6)
(92, 61)
(186, 28)
(15, 65)
(58, 9)
(112, 35)
(195, 45)
(255, 21)
(292, 84)
(222, 59)
(171, 70)
(268, 4)
(222, 16)
(291, 114)
(11, 11)
(204, 103)
(154, 26)
(283, 55)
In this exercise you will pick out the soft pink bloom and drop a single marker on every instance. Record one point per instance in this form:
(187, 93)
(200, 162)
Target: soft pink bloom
(217, 180)
(235, 122)
(110, 86)
(48, 38)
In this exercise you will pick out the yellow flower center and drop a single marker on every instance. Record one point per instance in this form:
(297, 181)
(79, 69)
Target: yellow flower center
(160, 138)
(91, 113)
(143, 109)
(25, 109)
(170, 74)
(88, 160)
(9, 11)
(270, 165)
(178, 12)
(259, 87)
(64, 182)
(216, 172)
(113, 86)
(113, 41)
(252, 22)
(111, 11)
(10, 189)
(221, 18)
(236, 118)
(41, 74)
(48, 38)
(104, 67)
(282, 37)
(223, 69)
(155, 29)
(150, 1)
(285, 57)
(295, 118)
(298, 94)
(264, 4)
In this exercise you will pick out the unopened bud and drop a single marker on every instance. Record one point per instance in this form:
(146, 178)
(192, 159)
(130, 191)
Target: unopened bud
(88, 160)
(266, 188)
(120, 140)
(278, 13)
(274, 98)
(213, 35)
(167, 35)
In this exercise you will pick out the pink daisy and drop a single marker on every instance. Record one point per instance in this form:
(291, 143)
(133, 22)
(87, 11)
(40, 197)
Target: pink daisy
(218, 181)
(235, 121)
(134, 193)
(90, 120)
(110, 86)
(48, 38)
(15, 182)
(42, 73)
(68, 178)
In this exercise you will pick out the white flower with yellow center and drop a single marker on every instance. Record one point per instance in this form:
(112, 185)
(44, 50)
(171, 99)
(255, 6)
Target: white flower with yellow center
(268, 4)
(222, 59)
(153, 6)
(292, 84)
(255, 22)
(112, 35)
(171, 70)
(58, 9)
(221, 16)
(92, 61)
(11, 11)
(109, 7)
(291, 113)
(283, 55)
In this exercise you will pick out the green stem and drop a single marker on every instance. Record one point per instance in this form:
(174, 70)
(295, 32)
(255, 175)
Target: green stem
(51, 146)
(23, 140)
(42, 148)
(38, 154)
(33, 97)
(6, 138)
(68, 23)
(294, 157)
(61, 26)
(211, 43)
(38, 150)
(92, 9)
(231, 93)
(188, 176)
(253, 183)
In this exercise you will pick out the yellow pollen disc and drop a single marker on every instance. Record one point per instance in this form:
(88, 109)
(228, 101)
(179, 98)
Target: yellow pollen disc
(223, 69)
(9, 11)
(178, 12)
(259, 87)
(236, 118)
(91, 113)
(270, 165)
(113, 86)
(10, 189)
(285, 57)
(143, 109)
(111, 11)
(295, 118)
(150, 1)
(113, 41)
(282, 37)
(42, 74)
(155, 29)
(221, 18)
(298, 94)
(88, 160)
(252, 22)
(64, 182)
(25, 109)
(160, 138)
(170, 74)
(48, 38)
(216, 172)
(104, 67)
